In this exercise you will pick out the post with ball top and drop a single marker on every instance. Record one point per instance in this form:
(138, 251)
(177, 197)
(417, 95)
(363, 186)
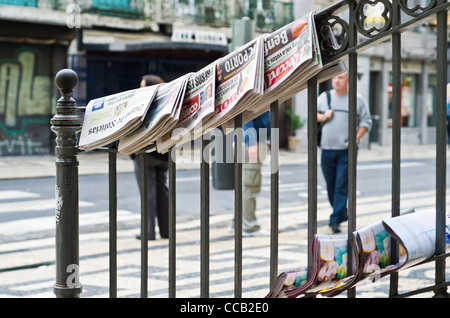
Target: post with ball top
(66, 123)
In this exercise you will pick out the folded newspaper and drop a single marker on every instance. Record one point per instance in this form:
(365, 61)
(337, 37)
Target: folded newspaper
(415, 232)
(107, 119)
(162, 116)
(197, 108)
(239, 82)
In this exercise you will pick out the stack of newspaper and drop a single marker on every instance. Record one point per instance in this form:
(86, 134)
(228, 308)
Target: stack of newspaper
(245, 82)
(415, 232)
(239, 83)
(197, 108)
(162, 116)
(109, 118)
(291, 58)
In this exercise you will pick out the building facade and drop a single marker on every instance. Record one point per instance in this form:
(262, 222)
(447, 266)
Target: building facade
(111, 45)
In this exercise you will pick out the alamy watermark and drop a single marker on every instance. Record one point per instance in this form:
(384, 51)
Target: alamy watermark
(73, 19)
(73, 280)
(222, 145)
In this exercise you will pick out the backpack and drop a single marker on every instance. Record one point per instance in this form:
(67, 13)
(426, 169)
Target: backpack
(320, 125)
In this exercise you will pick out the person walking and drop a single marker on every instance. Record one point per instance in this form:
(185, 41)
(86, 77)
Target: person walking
(256, 134)
(157, 191)
(334, 143)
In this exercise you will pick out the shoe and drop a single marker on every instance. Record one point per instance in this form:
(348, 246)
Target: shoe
(138, 237)
(335, 228)
(260, 232)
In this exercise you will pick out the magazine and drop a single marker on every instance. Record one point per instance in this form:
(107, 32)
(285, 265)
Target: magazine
(107, 119)
(197, 108)
(415, 232)
(329, 265)
(373, 244)
(161, 117)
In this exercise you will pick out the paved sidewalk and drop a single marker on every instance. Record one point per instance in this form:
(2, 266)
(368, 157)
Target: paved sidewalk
(27, 267)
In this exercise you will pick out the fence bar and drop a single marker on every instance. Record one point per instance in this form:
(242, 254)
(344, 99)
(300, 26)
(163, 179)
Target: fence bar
(172, 223)
(312, 168)
(441, 151)
(352, 146)
(144, 224)
(396, 134)
(112, 160)
(238, 206)
(65, 124)
(204, 224)
(274, 189)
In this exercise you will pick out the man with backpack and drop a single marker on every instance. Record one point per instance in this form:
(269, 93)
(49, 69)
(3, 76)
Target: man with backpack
(334, 143)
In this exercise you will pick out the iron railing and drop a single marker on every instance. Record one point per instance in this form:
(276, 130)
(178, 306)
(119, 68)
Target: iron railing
(67, 122)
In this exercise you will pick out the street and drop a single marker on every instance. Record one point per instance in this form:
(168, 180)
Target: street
(27, 229)
(27, 205)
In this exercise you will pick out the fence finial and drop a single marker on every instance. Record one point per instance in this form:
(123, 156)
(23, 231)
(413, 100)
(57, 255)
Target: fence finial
(66, 80)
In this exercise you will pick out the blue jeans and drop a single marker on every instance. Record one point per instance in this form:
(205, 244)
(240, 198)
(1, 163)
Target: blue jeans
(335, 171)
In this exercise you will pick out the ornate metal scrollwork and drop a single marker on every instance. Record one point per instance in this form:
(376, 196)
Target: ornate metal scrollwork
(339, 28)
(373, 17)
(418, 9)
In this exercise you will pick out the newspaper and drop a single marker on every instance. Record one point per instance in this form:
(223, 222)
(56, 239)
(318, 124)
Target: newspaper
(415, 232)
(291, 57)
(287, 52)
(239, 83)
(197, 108)
(107, 119)
(162, 116)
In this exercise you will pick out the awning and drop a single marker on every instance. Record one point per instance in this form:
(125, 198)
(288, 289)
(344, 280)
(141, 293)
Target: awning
(100, 40)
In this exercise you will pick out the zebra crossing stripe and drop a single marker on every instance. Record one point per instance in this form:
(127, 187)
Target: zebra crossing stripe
(33, 205)
(17, 194)
(48, 223)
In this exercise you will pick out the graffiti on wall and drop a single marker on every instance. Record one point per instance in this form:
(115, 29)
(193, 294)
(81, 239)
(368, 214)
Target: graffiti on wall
(25, 103)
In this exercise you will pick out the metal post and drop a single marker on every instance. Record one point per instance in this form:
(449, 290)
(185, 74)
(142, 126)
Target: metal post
(204, 224)
(274, 191)
(312, 168)
(396, 137)
(238, 206)
(144, 224)
(243, 32)
(65, 124)
(112, 159)
(352, 147)
(441, 151)
(172, 223)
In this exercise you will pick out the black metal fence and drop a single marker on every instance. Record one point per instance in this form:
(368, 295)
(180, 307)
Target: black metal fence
(349, 18)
